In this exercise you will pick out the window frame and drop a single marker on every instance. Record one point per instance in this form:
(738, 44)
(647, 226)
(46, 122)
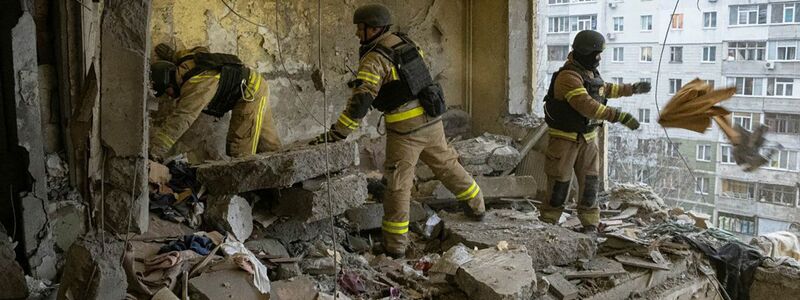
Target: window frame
(649, 23)
(615, 51)
(740, 82)
(726, 155)
(780, 123)
(618, 28)
(677, 22)
(556, 21)
(787, 87)
(644, 115)
(673, 53)
(562, 47)
(706, 152)
(674, 89)
(713, 55)
(710, 20)
(746, 119)
(642, 54)
(702, 185)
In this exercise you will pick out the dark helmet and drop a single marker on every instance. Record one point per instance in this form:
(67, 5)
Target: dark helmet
(373, 15)
(162, 75)
(588, 41)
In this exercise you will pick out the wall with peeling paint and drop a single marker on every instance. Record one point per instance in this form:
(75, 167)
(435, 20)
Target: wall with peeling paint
(437, 25)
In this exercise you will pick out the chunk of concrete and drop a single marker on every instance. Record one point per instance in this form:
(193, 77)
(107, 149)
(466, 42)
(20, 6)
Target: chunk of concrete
(497, 187)
(232, 214)
(224, 284)
(546, 244)
(498, 275)
(775, 282)
(309, 201)
(268, 246)
(288, 231)
(318, 266)
(12, 282)
(297, 288)
(94, 270)
(291, 270)
(276, 170)
(370, 216)
(488, 153)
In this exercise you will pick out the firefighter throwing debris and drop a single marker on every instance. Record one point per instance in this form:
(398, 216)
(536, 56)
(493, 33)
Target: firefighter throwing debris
(575, 106)
(212, 83)
(393, 78)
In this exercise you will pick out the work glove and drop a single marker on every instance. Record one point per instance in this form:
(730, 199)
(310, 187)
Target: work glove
(165, 52)
(628, 120)
(641, 87)
(333, 136)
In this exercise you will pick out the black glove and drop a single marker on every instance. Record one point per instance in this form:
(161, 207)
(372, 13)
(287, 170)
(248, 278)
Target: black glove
(165, 52)
(641, 87)
(332, 134)
(628, 120)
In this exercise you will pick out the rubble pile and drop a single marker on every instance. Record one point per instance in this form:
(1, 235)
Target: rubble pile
(488, 154)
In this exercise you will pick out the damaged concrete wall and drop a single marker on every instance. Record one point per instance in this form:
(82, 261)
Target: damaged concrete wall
(436, 25)
(123, 89)
(489, 63)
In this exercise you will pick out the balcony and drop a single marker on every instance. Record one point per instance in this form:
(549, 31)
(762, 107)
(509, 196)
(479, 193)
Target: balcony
(759, 67)
(749, 207)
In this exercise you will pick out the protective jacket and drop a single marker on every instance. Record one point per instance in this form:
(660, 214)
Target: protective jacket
(576, 101)
(392, 78)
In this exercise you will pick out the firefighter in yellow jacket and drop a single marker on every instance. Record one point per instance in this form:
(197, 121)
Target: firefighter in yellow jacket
(213, 83)
(575, 106)
(393, 78)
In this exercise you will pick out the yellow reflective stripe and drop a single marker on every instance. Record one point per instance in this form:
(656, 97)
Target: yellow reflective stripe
(600, 110)
(395, 231)
(421, 53)
(347, 122)
(393, 118)
(259, 121)
(575, 92)
(201, 76)
(258, 83)
(571, 135)
(395, 224)
(368, 77)
(468, 191)
(168, 141)
(614, 91)
(394, 74)
(471, 195)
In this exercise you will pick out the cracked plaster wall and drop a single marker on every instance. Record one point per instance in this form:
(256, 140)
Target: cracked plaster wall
(436, 25)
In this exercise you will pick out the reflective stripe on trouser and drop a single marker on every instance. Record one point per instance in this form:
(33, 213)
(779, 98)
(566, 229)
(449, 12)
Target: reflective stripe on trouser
(563, 158)
(402, 153)
(252, 128)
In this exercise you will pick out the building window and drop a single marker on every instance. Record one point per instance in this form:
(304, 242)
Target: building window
(747, 86)
(738, 189)
(644, 115)
(584, 22)
(783, 123)
(643, 145)
(673, 150)
(619, 54)
(746, 50)
(619, 24)
(674, 85)
(617, 80)
(736, 223)
(777, 194)
(745, 120)
(725, 154)
(703, 152)
(557, 53)
(558, 1)
(783, 160)
(558, 24)
(675, 54)
(786, 12)
(748, 14)
(710, 82)
(647, 23)
(701, 185)
(646, 54)
(677, 21)
(710, 19)
(643, 79)
(780, 87)
(709, 53)
(787, 52)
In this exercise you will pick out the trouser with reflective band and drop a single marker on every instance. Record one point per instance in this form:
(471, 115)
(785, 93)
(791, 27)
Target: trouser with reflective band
(402, 153)
(563, 157)
(252, 127)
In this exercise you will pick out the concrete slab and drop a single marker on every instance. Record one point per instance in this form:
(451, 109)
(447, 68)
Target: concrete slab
(12, 282)
(546, 244)
(370, 216)
(288, 231)
(224, 284)
(498, 275)
(487, 153)
(275, 170)
(95, 271)
(309, 201)
(301, 287)
(232, 214)
(775, 283)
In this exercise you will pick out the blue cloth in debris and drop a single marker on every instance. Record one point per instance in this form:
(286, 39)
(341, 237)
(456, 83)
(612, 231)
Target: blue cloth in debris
(200, 244)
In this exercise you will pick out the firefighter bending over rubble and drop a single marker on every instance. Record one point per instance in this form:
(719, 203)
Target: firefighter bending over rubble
(575, 106)
(393, 78)
(212, 83)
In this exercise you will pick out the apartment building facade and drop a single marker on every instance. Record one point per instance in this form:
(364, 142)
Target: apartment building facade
(750, 44)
